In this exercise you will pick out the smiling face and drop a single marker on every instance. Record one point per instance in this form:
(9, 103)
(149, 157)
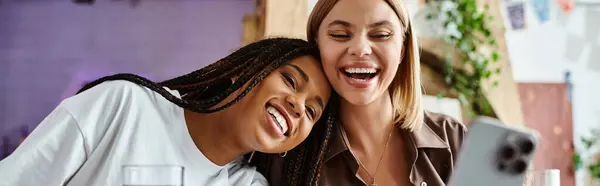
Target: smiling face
(279, 113)
(361, 44)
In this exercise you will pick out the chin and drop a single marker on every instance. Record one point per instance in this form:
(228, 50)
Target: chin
(270, 146)
(359, 99)
(272, 150)
(263, 143)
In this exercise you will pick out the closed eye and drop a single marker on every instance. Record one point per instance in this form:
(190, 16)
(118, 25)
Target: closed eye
(290, 80)
(382, 36)
(340, 36)
(311, 112)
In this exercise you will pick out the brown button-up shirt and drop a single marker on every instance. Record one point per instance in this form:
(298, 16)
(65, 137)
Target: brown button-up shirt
(432, 152)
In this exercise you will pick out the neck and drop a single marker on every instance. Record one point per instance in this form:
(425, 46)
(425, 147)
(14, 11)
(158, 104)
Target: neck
(367, 126)
(214, 137)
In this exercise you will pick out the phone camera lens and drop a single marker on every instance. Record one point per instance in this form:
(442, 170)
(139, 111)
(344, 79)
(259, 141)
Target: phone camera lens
(519, 167)
(526, 145)
(508, 152)
(501, 166)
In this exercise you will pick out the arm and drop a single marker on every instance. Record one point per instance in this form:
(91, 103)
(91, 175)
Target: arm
(53, 153)
(50, 155)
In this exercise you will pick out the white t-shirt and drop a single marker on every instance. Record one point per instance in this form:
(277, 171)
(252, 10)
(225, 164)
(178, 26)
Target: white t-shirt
(88, 138)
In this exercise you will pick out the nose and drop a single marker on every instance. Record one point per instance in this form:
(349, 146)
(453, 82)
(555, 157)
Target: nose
(359, 47)
(295, 106)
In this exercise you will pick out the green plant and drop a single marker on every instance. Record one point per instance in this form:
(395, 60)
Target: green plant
(472, 50)
(595, 170)
(590, 147)
(577, 161)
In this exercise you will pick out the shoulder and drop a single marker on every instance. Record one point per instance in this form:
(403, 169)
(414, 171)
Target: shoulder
(112, 106)
(447, 128)
(114, 88)
(441, 123)
(111, 100)
(244, 174)
(110, 94)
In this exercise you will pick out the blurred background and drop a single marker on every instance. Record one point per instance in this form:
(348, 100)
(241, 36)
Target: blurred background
(530, 63)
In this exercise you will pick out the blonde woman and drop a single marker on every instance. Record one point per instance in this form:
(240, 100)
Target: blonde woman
(382, 135)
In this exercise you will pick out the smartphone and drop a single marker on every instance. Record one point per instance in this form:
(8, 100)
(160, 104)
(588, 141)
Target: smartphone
(494, 154)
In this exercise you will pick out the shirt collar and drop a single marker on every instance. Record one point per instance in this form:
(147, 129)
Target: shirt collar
(423, 137)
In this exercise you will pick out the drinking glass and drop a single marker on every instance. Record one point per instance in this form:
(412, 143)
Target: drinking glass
(152, 175)
(546, 177)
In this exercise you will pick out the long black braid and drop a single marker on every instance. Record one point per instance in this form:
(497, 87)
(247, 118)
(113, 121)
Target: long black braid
(204, 90)
(304, 165)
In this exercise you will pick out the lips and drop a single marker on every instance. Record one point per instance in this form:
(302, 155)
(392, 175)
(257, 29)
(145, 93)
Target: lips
(278, 118)
(360, 75)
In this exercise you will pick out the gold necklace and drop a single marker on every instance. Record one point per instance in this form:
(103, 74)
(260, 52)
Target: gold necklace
(380, 158)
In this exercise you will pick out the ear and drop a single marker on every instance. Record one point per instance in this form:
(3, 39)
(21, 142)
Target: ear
(403, 52)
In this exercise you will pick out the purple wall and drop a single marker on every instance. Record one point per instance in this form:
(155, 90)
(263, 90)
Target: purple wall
(48, 48)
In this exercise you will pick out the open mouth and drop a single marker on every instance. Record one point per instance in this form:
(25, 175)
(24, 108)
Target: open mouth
(360, 74)
(279, 119)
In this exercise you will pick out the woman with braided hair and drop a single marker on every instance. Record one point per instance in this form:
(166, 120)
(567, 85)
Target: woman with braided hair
(265, 97)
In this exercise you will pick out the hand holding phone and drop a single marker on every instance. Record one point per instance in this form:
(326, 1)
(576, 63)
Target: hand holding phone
(494, 154)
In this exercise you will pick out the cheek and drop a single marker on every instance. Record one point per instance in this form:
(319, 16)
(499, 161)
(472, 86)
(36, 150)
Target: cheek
(391, 56)
(257, 98)
(331, 53)
(329, 66)
(270, 86)
(303, 133)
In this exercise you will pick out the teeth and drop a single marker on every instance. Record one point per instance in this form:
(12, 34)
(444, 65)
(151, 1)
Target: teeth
(355, 79)
(279, 119)
(360, 70)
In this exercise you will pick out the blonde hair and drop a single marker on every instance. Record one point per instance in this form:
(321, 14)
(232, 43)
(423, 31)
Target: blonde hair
(405, 89)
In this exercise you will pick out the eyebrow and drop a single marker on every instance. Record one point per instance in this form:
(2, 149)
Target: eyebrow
(380, 23)
(340, 22)
(300, 71)
(305, 77)
(347, 24)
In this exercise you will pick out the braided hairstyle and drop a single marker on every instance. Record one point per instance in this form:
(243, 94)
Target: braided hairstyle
(303, 164)
(204, 90)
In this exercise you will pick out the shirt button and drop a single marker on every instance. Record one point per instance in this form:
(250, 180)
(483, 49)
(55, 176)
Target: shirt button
(423, 184)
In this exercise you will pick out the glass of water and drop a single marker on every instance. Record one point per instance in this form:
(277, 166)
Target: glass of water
(152, 175)
(546, 177)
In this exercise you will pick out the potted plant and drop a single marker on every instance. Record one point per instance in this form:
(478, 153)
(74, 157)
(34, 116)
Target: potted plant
(471, 51)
